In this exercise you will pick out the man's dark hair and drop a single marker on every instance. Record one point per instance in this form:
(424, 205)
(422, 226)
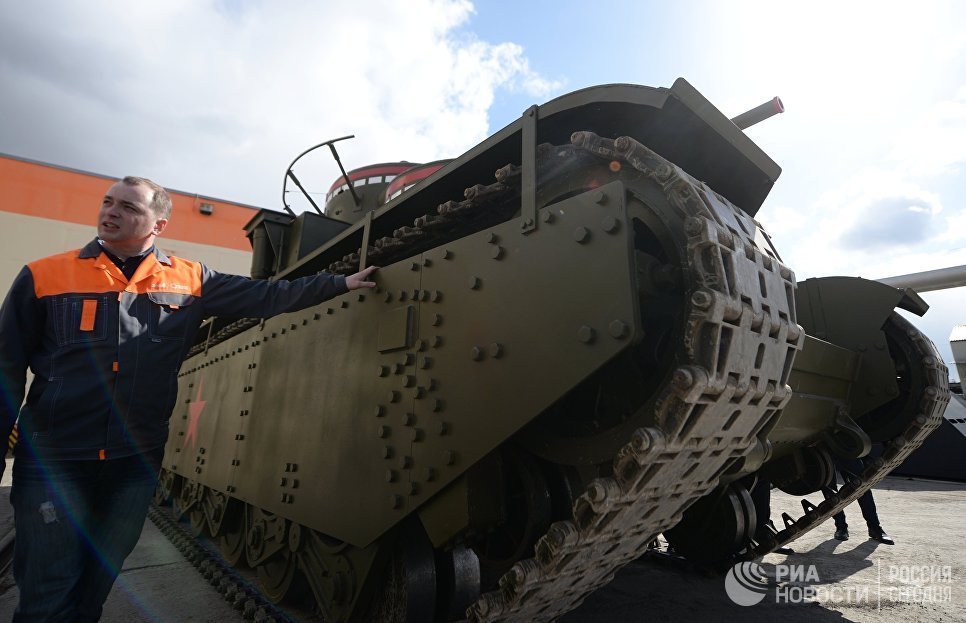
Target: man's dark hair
(160, 202)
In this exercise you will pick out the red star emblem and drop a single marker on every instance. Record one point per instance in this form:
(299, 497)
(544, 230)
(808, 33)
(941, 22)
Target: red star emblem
(195, 407)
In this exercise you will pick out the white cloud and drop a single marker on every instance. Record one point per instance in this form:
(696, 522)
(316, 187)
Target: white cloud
(217, 97)
(936, 143)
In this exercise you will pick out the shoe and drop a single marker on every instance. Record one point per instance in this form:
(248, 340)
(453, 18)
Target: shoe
(881, 536)
(784, 550)
(842, 534)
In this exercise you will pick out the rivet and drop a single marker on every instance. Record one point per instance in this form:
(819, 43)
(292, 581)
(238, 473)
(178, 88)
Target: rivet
(387, 452)
(547, 216)
(414, 266)
(427, 262)
(397, 368)
(345, 304)
(437, 296)
(610, 224)
(496, 252)
(437, 341)
(293, 326)
(387, 297)
(443, 428)
(437, 320)
(492, 238)
(424, 295)
(581, 235)
(495, 350)
(383, 370)
(413, 488)
(429, 474)
(283, 482)
(701, 299)
(476, 353)
(425, 362)
(419, 392)
(380, 410)
(409, 381)
(416, 434)
(295, 483)
(433, 385)
(447, 254)
(410, 359)
(382, 432)
(600, 197)
(449, 457)
(408, 419)
(391, 475)
(201, 451)
(693, 226)
(437, 405)
(405, 462)
(586, 334)
(329, 311)
(421, 345)
(682, 378)
(361, 297)
(475, 283)
(402, 295)
(617, 329)
(416, 294)
(395, 501)
(393, 396)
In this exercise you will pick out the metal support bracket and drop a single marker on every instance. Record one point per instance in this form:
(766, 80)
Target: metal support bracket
(364, 249)
(528, 163)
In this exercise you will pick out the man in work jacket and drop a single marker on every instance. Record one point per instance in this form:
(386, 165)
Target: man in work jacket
(104, 330)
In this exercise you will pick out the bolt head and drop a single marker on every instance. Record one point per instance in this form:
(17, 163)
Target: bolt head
(618, 329)
(582, 235)
(586, 334)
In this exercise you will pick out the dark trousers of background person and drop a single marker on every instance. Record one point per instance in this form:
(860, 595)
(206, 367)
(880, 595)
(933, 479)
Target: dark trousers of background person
(866, 503)
(76, 522)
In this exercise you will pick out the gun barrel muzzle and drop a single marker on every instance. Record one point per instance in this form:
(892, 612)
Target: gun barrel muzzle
(759, 113)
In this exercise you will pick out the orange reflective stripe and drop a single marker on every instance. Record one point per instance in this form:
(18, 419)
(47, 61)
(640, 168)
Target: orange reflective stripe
(88, 314)
(66, 273)
(101, 455)
(114, 367)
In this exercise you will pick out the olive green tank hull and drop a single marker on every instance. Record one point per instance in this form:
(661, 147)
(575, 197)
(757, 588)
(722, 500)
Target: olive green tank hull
(550, 372)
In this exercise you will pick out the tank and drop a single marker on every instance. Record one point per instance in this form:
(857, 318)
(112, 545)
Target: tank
(581, 339)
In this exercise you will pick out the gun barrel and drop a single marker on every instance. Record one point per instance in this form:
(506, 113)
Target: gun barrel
(940, 279)
(759, 113)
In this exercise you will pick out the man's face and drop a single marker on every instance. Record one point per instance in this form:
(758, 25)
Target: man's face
(126, 219)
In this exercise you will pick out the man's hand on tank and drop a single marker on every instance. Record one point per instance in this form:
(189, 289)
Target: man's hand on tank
(358, 280)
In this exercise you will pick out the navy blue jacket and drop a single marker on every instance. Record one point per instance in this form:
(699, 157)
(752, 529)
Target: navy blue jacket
(105, 351)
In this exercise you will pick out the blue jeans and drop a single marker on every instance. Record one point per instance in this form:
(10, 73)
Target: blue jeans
(76, 522)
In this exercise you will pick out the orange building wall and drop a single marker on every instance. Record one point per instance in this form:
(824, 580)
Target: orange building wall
(46, 191)
(46, 209)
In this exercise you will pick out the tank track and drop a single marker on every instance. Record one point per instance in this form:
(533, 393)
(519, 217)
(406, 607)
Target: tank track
(708, 415)
(236, 590)
(730, 381)
(925, 415)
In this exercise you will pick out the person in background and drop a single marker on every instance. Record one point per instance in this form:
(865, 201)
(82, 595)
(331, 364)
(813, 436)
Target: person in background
(853, 468)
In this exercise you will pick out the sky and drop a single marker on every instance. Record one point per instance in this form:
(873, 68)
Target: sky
(216, 97)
